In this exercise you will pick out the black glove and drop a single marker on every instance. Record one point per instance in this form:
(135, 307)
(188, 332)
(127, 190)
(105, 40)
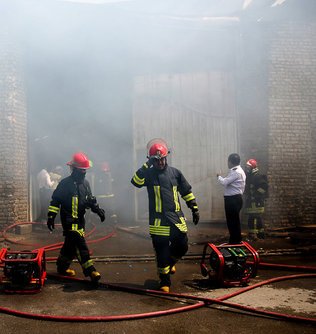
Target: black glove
(51, 223)
(151, 160)
(101, 213)
(195, 216)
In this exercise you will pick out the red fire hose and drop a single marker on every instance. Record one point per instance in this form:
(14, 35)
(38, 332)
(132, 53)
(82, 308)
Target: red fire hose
(201, 301)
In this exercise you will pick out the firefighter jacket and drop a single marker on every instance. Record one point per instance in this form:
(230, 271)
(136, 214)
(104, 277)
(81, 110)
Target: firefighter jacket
(72, 199)
(163, 187)
(256, 192)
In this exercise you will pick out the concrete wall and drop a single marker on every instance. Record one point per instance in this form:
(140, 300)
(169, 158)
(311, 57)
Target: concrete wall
(13, 134)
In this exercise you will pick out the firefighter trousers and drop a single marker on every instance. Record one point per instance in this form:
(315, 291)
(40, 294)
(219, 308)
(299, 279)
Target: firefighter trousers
(169, 249)
(256, 226)
(74, 246)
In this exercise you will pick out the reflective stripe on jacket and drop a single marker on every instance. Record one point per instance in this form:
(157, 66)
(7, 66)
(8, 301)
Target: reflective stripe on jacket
(71, 199)
(164, 187)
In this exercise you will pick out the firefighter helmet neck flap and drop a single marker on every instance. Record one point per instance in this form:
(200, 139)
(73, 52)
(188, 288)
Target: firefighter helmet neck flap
(79, 165)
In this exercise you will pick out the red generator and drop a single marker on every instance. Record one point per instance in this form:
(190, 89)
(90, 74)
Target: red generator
(229, 265)
(23, 271)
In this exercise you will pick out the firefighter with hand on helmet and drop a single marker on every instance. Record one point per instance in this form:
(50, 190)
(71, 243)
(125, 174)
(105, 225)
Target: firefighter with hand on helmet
(71, 198)
(256, 192)
(167, 224)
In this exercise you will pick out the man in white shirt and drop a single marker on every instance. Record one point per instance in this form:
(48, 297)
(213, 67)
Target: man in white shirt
(45, 185)
(234, 187)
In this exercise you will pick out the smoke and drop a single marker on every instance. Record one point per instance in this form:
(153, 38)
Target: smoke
(81, 59)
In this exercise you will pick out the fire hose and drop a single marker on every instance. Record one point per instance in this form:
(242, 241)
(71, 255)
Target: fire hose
(200, 301)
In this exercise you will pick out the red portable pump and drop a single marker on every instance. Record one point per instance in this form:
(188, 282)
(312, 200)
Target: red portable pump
(229, 265)
(23, 271)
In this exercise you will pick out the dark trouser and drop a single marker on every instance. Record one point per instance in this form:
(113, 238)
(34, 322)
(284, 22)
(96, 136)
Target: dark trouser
(233, 205)
(255, 225)
(74, 247)
(168, 251)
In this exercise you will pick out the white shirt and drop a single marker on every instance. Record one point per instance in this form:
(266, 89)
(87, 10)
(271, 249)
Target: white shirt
(44, 180)
(234, 182)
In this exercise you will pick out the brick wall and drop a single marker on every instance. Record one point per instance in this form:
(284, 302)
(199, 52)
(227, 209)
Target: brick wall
(13, 134)
(252, 94)
(292, 123)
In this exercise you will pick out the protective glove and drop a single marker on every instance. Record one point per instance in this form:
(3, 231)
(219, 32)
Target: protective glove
(195, 216)
(101, 213)
(51, 223)
(151, 160)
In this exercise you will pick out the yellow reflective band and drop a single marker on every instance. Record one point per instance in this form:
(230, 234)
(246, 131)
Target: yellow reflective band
(74, 227)
(176, 198)
(54, 209)
(145, 165)
(158, 199)
(87, 264)
(188, 197)
(74, 206)
(254, 209)
(157, 222)
(138, 180)
(183, 226)
(261, 190)
(164, 270)
(81, 232)
(160, 230)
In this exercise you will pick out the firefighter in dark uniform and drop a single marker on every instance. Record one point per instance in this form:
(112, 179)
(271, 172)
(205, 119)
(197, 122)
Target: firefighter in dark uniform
(167, 224)
(256, 193)
(71, 198)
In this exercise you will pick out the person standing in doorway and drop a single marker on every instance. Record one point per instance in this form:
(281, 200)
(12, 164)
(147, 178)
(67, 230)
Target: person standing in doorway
(256, 193)
(45, 185)
(234, 187)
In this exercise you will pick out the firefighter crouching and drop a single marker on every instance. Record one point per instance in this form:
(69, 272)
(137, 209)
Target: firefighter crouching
(71, 198)
(167, 224)
(256, 192)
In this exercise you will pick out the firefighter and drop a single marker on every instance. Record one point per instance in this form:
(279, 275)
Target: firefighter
(71, 198)
(167, 224)
(256, 193)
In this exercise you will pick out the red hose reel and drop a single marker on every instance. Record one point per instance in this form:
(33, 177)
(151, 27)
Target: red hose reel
(22, 271)
(229, 265)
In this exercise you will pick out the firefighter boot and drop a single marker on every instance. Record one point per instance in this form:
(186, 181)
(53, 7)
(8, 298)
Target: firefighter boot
(165, 289)
(261, 235)
(95, 276)
(164, 282)
(252, 237)
(67, 272)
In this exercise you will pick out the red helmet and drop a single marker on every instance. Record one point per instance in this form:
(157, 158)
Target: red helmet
(158, 149)
(252, 163)
(80, 160)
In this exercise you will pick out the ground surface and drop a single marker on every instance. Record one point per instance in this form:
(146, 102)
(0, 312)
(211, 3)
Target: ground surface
(127, 259)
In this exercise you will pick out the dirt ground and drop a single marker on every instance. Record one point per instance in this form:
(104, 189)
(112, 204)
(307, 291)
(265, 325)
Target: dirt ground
(127, 259)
